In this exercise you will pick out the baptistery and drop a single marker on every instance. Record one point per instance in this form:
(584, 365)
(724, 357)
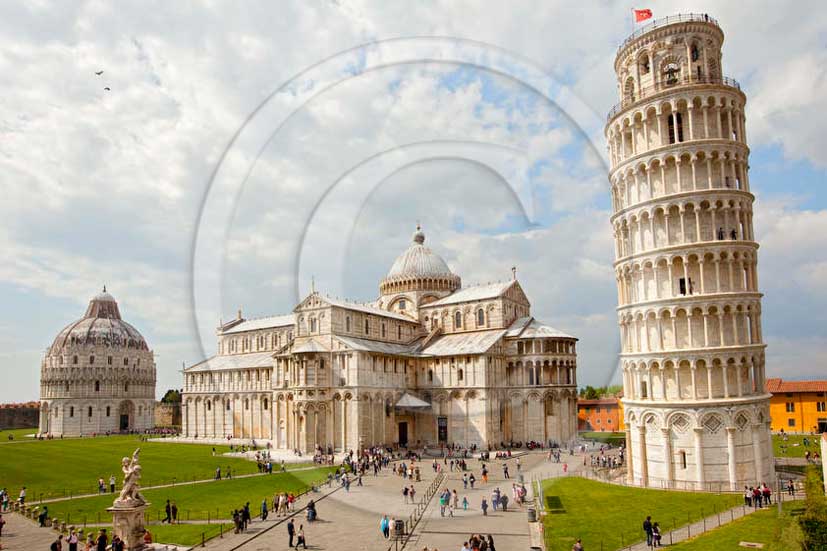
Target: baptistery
(98, 375)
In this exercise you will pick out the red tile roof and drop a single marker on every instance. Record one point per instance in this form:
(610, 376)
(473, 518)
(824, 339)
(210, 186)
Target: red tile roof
(778, 386)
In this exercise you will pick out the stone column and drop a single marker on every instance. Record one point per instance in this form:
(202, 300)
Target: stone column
(699, 458)
(756, 451)
(630, 474)
(730, 448)
(644, 469)
(667, 457)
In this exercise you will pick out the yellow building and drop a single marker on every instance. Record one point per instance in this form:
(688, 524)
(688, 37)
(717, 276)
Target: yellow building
(798, 406)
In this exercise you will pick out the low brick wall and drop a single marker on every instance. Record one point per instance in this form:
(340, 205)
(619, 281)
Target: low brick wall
(167, 415)
(19, 417)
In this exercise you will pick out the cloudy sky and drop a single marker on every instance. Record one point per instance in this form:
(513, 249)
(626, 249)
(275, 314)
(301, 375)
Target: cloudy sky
(245, 148)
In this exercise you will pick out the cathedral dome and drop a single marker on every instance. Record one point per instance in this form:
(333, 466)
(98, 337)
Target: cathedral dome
(419, 261)
(100, 325)
(419, 269)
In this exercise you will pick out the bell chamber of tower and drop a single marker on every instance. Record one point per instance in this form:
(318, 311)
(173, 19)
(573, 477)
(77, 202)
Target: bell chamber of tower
(689, 308)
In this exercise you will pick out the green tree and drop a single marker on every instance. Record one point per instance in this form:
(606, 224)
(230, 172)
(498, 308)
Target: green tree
(172, 396)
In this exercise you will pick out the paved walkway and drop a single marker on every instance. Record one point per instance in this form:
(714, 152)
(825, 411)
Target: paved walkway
(189, 483)
(23, 534)
(697, 528)
(350, 520)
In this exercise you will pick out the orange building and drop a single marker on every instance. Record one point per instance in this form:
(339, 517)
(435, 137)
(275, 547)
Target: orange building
(601, 415)
(798, 406)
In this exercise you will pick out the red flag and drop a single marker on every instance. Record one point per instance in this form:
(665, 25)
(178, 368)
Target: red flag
(642, 15)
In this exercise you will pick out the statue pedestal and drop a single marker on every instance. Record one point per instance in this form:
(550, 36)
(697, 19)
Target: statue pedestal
(128, 524)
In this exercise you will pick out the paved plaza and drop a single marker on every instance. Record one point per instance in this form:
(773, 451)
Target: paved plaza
(350, 520)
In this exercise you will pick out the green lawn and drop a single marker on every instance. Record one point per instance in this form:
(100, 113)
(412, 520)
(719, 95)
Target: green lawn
(58, 468)
(186, 534)
(609, 516)
(204, 501)
(794, 445)
(17, 434)
(615, 438)
(776, 533)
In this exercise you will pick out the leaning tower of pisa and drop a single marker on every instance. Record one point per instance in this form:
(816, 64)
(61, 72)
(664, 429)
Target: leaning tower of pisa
(689, 309)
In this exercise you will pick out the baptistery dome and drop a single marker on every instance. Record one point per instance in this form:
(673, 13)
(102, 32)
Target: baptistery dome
(97, 376)
(100, 325)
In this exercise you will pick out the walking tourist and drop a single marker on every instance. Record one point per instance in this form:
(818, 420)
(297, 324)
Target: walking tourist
(647, 527)
(112, 485)
(578, 545)
(384, 526)
(73, 540)
(301, 539)
(57, 545)
(103, 540)
(291, 532)
(484, 507)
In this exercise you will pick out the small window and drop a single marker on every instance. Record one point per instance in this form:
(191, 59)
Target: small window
(367, 326)
(480, 317)
(89, 412)
(430, 375)
(97, 386)
(402, 304)
(71, 411)
(228, 405)
(790, 407)
(312, 325)
(384, 330)
(321, 364)
(266, 404)
(91, 359)
(458, 320)
(74, 360)
(459, 375)
(209, 405)
(683, 459)
(109, 360)
(347, 324)
(399, 333)
(246, 403)
(126, 361)
(790, 422)
(107, 411)
(820, 406)
(126, 387)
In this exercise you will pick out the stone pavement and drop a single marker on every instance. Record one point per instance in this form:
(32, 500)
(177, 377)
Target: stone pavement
(350, 520)
(25, 535)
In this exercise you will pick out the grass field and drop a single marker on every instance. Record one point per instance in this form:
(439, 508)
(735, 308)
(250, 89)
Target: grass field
(608, 516)
(204, 501)
(615, 438)
(794, 445)
(17, 434)
(58, 468)
(766, 527)
(186, 534)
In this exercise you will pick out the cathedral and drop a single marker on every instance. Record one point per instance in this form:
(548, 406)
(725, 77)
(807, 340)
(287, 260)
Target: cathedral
(428, 363)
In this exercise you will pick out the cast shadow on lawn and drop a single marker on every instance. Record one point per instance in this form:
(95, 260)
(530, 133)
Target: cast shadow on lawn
(554, 506)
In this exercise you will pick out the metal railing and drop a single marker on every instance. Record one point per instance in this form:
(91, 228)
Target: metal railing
(648, 91)
(401, 540)
(663, 22)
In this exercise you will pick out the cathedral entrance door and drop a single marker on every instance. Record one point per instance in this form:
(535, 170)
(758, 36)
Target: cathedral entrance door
(403, 433)
(124, 421)
(442, 429)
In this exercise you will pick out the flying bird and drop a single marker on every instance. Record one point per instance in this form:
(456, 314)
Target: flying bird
(107, 88)
(99, 73)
